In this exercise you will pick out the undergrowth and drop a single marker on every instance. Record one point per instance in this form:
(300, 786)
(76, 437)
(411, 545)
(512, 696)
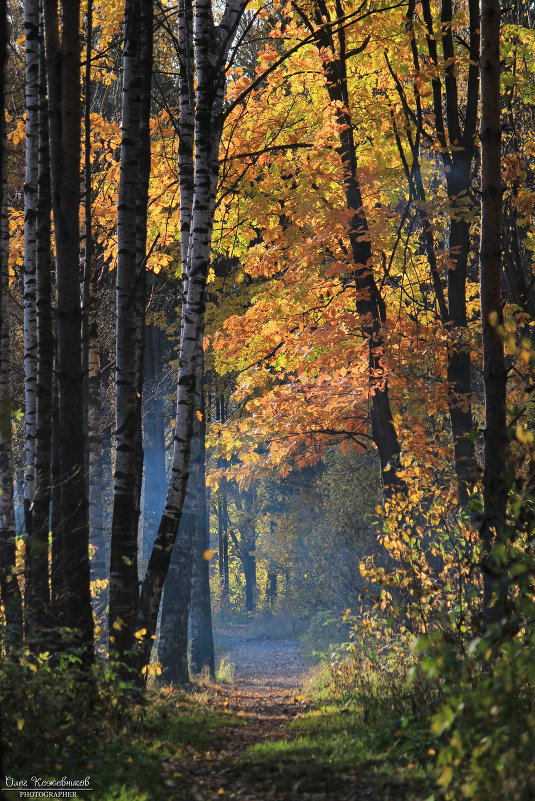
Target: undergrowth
(58, 720)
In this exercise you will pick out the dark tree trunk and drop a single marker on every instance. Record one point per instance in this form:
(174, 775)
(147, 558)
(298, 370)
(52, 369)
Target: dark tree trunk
(58, 565)
(173, 650)
(370, 304)
(9, 587)
(173, 645)
(45, 360)
(494, 485)
(457, 163)
(92, 366)
(63, 65)
(249, 570)
(222, 531)
(132, 235)
(123, 562)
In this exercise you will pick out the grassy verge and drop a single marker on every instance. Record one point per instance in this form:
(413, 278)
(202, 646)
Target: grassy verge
(56, 726)
(352, 740)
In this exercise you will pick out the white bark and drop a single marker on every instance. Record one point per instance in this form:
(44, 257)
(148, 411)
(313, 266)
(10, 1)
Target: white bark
(31, 27)
(211, 45)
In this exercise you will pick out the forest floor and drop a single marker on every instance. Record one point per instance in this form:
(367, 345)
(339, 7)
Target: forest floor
(262, 732)
(286, 747)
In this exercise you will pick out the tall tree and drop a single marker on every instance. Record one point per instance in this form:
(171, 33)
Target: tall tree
(31, 29)
(456, 134)
(207, 60)
(370, 304)
(494, 373)
(131, 234)
(9, 587)
(63, 66)
(40, 526)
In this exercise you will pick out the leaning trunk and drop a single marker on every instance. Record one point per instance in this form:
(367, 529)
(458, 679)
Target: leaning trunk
(211, 46)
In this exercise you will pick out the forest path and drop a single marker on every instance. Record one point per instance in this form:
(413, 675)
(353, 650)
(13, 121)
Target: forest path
(265, 696)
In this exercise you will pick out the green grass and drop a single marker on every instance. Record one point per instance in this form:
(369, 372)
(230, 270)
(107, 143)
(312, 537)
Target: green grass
(52, 728)
(330, 748)
(350, 742)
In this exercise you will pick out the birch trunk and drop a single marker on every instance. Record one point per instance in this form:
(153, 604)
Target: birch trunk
(173, 645)
(9, 587)
(494, 373)
(97, 534)
(211, 46)
(92, 364)
(63, 65)
(202, 639)
(173, 650)
(34, 557)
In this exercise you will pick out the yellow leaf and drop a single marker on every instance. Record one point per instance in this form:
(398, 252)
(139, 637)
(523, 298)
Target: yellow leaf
(199, 415)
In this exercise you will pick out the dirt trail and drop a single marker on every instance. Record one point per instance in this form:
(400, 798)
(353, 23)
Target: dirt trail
(267, 675)
(265, 694)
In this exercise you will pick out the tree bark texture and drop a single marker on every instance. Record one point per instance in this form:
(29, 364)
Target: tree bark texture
(63, 66)
(123, 565)
(9, 587)
(210, 49)
(34, 557)
(45, 359)
(132, 237)
(202, 639)
(494, 374)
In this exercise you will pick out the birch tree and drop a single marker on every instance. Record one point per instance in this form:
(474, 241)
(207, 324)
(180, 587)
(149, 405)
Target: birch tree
(203, 52)
(31, 29)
